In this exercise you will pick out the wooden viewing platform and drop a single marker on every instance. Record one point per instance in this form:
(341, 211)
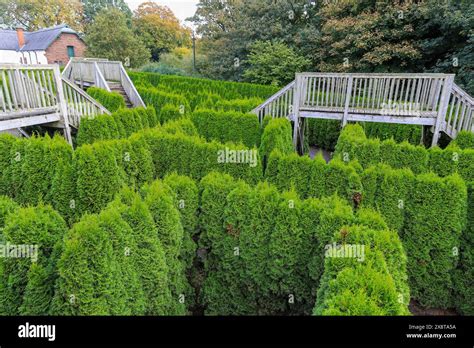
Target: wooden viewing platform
(38, 95)
(418, 99)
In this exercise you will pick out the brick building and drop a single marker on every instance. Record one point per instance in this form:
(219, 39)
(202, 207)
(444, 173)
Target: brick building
(46, 46)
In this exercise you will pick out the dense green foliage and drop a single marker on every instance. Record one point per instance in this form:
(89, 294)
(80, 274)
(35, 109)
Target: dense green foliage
(120, 43)
(268, 249)
(112, 101)
(193, 156)
(29, 272)
(339, 36)
(435, 219)
(276, 135)
(227, 126)
(464, 140)
(353, 145)
(119, 124)
(273, 63)
(372, 283)
(312, 178)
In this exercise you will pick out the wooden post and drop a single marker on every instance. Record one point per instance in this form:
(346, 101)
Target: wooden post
(443, 107)
(62, 104)
(348, 99)
(296, 109)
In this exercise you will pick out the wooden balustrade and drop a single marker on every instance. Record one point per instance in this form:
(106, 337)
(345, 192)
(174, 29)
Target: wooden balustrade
(421, 99)
(38, 94)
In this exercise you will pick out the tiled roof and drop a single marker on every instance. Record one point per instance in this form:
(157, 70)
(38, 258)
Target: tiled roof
(38, 40)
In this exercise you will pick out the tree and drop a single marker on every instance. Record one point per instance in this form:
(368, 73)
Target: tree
(92, 7)
(28, 282)
(110, 37)
(38, 14)
(159, 28)
(367, 36)
(228, 28)
(273, 63)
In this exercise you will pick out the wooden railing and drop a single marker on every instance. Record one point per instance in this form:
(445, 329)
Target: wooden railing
(460, 113)
(420, 99)
(85, 73)
(130, 89)
(99, 72)
(27, 90)
(38, 94)
(80, 104)
(278, 105)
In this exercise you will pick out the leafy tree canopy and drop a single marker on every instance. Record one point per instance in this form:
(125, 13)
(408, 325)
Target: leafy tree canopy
(273, 63)
(110, 37)
(38, 14)
(159, 28)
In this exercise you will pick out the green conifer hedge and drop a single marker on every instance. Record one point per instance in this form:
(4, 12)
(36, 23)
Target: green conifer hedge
(227, 126)
(112, 101)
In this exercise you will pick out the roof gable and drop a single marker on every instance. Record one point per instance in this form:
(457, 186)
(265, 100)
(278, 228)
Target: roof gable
(38, 40)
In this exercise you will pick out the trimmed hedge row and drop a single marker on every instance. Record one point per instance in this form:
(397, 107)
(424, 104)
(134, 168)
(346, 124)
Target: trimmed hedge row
(464, 273)
(353, 145)
(158, 99)
(112, 101)
(434, 222)
(312, 178)
(132, 254)
(325, 133)
(430, 213)
(227, 126)
(399, 132)
(27, 279)
(267, 249)
(371, 282)
(464, 140)
(277, 135)
(193, 156)
(402, 198)
(32, 170)
(46, 170)
(120, 124)
(191, 85)
(260, 244)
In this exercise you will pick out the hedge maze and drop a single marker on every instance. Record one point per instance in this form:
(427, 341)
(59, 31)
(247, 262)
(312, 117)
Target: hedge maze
(191, 206)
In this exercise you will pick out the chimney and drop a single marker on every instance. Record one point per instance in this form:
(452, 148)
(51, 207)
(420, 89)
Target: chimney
(20, 33)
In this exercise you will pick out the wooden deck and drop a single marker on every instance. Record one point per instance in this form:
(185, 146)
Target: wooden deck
(418, 99)
(38, 95)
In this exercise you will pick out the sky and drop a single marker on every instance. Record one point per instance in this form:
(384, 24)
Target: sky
(181, 8)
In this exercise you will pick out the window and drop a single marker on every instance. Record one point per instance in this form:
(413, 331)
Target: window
(70, 51)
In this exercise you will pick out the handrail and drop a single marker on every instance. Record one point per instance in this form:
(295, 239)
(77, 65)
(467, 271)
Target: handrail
(421, 99)
(130, 89)
(85, 95)
(67, 69)
(100, 79)
(278, 105)
(460, 113)
(80, 104)
(275, 96)
(368, 75)
(101, 72)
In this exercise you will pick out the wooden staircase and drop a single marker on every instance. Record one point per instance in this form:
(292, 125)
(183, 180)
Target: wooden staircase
(118, 88)
(109, 75)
